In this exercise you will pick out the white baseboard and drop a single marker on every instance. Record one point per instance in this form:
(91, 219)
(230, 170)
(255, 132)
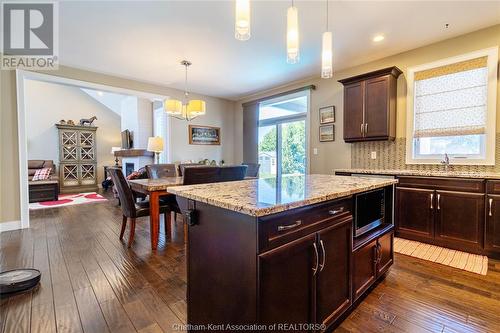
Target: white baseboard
(11, 225)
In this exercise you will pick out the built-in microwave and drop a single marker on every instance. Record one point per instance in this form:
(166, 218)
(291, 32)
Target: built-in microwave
(369, 211)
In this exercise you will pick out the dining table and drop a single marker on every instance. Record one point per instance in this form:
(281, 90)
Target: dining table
(155, 188)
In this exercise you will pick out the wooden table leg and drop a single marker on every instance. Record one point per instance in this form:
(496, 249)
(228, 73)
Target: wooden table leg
(154, 218)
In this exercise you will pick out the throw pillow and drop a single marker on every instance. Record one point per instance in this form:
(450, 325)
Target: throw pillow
(42, 174)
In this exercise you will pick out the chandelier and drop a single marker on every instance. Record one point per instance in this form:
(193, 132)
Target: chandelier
(187, 109)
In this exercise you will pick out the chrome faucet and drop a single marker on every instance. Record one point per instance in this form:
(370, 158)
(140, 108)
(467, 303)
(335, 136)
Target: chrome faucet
(446, 162)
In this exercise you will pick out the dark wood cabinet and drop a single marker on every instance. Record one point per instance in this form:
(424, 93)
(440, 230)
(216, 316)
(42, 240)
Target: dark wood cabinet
(447, 212)
(459, 217)
(353, 111)
(415, 212)
(371, 261)
(385, 252)
(288, 283)
(364, 268)
(370, 105)
(334, 283)
(492, 230)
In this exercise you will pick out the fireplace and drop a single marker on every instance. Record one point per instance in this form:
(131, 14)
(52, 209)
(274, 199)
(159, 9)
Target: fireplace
(129, 168)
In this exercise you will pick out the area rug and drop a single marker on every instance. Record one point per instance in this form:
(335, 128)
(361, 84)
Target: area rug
(462, 260)
(69, 200)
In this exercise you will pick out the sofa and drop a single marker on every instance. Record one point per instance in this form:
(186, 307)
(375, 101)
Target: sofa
(42, 190)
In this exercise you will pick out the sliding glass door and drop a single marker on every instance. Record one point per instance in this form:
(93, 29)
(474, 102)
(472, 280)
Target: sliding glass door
(282, 136)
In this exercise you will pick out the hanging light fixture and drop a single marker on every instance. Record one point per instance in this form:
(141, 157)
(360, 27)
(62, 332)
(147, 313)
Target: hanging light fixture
(242, 20)
(292, 35)
(189, 109)
(327, 52)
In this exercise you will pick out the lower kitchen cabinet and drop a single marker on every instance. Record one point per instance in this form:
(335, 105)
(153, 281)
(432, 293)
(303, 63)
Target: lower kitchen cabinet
(385, 253)
(492, 232)
(459, 218)
(371, 261)
(414, 209)
(288, 283)
(364, 268)
(333, 283)
(307, 280)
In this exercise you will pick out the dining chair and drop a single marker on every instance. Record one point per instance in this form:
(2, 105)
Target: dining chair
(182, 166)
(201, 175)
(131, 210)
(156, 171)
(232, 173)
(252, 169)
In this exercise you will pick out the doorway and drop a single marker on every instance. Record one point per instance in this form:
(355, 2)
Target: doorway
(282, 149)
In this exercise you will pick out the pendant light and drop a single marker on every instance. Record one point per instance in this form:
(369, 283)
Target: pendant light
(292, 35)
(189, 109)
(242, 20)
(327, 52)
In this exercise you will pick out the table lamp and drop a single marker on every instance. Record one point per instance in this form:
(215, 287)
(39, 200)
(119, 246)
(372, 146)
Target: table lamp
(155, 145)
(113, 150)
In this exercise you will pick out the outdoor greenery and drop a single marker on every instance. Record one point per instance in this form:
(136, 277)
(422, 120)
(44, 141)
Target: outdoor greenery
(294, 146)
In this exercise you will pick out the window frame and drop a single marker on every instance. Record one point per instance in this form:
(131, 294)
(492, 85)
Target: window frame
(489, 148)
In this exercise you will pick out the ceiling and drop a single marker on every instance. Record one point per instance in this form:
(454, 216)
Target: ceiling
(146, 40)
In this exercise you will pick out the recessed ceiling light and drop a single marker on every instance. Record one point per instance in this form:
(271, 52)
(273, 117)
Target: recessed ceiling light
(378, 38)
(100, 93)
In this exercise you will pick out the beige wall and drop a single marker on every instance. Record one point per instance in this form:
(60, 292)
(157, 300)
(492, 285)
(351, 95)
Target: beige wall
(9, 166)
(334, 155)
(47, 103)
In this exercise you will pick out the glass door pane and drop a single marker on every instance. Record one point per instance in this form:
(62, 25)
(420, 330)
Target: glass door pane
(268, 151)
(292, 143)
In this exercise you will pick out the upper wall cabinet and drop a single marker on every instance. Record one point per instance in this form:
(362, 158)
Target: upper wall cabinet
(370, 105)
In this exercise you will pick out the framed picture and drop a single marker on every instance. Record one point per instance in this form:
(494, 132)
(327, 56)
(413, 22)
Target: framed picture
(327, 115)
(204, 135)
(326, 133)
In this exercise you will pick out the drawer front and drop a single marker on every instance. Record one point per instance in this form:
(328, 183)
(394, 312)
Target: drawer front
(278, 229)
(448, 184)
(493, 186)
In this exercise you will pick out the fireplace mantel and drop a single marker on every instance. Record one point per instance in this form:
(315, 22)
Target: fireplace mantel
(133, 153)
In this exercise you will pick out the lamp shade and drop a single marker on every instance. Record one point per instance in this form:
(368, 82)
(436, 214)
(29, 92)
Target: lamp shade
(326, 56)
(155, 144)
(242, 21)
(114, 149)
(196, 107)
(173, 107)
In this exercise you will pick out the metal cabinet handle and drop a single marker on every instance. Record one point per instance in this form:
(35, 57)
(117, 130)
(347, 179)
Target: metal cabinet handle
(315, 268)
(336, 211)
(362, 130)
(432, 200)
(379, 250)
(375, 260)
(366, 128)
(323, 254)
(490, 203)
(290, 226)
(438, 201)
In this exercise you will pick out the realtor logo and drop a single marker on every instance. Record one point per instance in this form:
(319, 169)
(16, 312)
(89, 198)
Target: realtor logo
(29, 39)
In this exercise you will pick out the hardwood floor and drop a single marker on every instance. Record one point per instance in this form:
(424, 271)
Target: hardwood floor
(92, 283)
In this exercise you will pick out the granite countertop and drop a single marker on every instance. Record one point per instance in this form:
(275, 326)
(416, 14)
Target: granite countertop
(426, 173)
(265, 196)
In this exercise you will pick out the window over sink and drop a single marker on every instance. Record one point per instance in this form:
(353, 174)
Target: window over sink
(451, 109)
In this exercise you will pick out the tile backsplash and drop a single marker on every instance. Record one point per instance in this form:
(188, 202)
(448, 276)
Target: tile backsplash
(392, 154)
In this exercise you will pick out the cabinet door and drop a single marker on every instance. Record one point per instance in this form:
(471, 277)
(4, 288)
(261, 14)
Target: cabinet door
(353, 111)
(287, 282)
(415, 212)
(492, 232)
(385, 252)
(377, 107)
(333, 284)
(459, 218)
(364, 268)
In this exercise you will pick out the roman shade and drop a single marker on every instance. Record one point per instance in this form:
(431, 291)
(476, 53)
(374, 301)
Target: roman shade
(451, 100)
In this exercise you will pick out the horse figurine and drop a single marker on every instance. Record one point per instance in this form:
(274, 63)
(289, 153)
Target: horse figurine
(87, 122)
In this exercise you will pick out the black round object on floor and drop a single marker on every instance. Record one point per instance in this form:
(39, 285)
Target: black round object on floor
(19, 280)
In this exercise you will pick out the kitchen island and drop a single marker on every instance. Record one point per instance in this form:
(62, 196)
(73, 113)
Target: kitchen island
(281, 251)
